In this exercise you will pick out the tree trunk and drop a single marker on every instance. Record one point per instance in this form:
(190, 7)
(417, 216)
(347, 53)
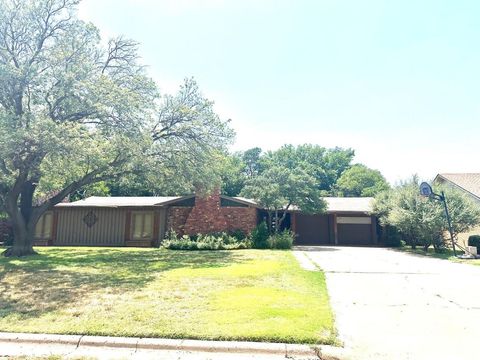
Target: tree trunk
(22, 240)
(23, 222)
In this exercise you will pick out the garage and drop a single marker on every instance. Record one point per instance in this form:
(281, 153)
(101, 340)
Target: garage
(347, 221)
(355, 230)
(312, 229)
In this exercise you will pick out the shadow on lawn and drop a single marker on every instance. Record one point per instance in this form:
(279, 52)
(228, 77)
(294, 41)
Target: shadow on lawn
(62, 277)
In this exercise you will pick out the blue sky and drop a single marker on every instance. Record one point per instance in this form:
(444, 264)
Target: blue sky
(398, 81)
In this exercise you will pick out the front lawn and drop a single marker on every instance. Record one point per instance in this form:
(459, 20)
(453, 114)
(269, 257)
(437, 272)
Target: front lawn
(256, 295)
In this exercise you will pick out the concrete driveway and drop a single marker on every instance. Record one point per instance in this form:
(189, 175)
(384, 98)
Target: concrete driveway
(393, 305)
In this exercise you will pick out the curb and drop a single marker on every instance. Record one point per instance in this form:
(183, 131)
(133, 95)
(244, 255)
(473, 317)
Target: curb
(80, 341)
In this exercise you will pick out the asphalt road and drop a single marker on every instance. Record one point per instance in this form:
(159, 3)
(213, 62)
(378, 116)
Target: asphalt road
(393, 305)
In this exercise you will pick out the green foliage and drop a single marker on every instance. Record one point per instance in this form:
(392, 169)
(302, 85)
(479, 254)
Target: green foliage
(324, 165)
(280, 188)
(6, 233)
(474, 240)
(392, 237)
(233, 175)
(97, 189)
(259, 236)
(214, 241)
(421, 221)
(238, 234)
(252, 160)
(281, 240)
(75, 112)
(360, 180)
(237, 168)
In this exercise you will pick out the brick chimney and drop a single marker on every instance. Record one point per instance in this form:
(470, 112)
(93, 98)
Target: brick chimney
(206, 216)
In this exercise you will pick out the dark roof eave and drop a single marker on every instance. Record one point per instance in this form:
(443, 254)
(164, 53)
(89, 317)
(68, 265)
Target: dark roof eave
(333, 212)
(240, 201)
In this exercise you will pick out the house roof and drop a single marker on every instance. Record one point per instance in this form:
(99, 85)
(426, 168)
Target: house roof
(334, 204)
(123, 201)
(241, 200)
(469, 182)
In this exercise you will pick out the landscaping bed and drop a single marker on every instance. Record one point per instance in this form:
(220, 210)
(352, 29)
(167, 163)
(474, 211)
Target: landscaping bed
(256, 295)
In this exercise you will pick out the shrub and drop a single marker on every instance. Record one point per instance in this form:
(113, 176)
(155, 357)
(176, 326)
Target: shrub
(6, 232)
(259, 236)
(214, 241)
(281, 240)
(474, 240)
(238, 234)
(393, 238)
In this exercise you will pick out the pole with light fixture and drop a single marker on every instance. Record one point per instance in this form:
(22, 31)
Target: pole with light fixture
(427, 191)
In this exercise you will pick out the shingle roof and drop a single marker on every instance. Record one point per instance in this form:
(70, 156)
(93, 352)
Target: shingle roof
(469, 182)
(334, 204)
(121, 201)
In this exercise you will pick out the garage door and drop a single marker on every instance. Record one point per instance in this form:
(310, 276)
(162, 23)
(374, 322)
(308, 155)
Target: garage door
(311, 229)
(353, 230)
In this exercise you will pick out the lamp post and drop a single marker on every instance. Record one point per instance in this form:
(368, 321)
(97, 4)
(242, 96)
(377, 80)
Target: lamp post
(427, 191)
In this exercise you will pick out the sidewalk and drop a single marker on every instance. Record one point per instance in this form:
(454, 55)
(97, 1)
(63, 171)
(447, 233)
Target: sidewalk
(105, 347)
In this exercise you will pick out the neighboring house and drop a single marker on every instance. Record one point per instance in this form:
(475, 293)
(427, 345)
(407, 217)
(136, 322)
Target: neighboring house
(469, 183)
(144, 221)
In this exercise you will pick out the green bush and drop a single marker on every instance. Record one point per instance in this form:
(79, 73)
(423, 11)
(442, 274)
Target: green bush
(6, 232)
(393, 238)
(238, 234)
(281, 240)
(474, 240)
(259, 236)
(214, 241)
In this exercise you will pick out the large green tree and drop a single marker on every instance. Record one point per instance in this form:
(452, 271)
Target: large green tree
(279, 189)
(420, 220)
(360, 180)
(324, 165)
(75, 111)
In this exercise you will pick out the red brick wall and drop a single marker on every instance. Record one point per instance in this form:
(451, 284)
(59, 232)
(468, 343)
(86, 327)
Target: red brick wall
(207, 216)
(241, 218)
(176, 218)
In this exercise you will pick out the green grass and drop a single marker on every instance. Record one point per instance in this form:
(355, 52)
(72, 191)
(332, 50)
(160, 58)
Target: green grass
(446, 254)
(255, 295)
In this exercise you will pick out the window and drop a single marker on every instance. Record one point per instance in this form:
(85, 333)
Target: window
(142, 223)
(43, 229)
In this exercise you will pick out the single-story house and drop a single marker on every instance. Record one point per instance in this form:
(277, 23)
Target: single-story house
(144, 221)
(468, 183)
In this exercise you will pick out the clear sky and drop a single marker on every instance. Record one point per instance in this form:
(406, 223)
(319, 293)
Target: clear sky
(398, 81)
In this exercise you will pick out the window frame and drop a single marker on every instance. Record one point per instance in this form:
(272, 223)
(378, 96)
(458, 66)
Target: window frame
(43, 230)
(143, 215)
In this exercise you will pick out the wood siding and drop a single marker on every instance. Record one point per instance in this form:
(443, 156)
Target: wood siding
(112, 227)
(108, 230)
